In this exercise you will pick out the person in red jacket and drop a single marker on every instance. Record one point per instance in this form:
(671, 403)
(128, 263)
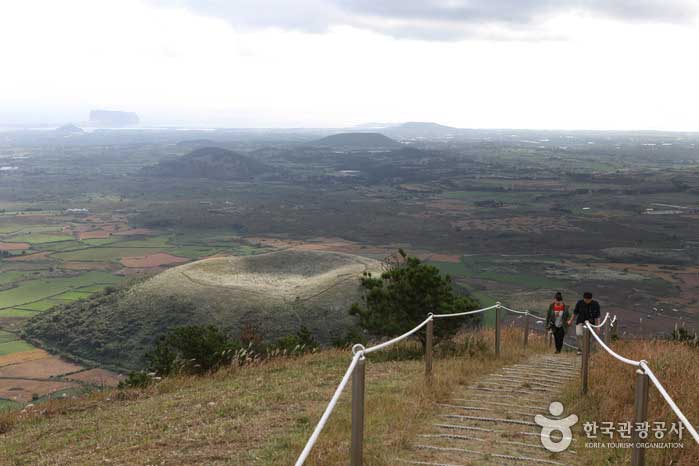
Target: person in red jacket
(557, 319)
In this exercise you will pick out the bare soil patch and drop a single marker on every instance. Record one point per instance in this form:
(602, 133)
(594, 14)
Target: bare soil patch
(152, 260)
(50, 366)
(14, 246)
(100, 377)
(88, 266)
(39, 256)
(24, 356)
(453, 258)
(97, 234)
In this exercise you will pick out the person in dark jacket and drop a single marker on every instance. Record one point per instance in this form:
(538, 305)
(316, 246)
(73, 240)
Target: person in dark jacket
(585, 309)
(557, 319)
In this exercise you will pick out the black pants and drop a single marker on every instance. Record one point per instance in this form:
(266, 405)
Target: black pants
(558, 334)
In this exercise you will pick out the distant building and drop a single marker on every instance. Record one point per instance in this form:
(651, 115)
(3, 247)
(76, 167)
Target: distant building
(77, 211)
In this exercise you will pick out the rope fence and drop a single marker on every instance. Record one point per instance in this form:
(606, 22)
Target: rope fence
(356, 370)
(644, 374)
(606, 317)
(356, 349)
(460, 314)
(328, 410)
(357, 367)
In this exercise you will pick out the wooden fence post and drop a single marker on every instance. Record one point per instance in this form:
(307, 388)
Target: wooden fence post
(638, 455)
(356, 452)
(607, 329)
(497, 329)
(585, 366)
(526, 328)
(429, 335)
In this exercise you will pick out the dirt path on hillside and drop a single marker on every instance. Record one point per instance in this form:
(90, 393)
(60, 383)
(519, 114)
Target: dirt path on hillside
(491, 422)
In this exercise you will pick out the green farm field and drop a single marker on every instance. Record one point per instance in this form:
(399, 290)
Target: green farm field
(42, 305)
(14, 347)
(14, 312)
(503, 196)
(40, 238)
(37, 290)
(9, 405)
(7, 336)
(472, 269)
(28, 288)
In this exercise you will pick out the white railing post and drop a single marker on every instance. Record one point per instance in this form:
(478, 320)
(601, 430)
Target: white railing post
(356, 452)
(429, 336)
(526, 328)
(497, 329)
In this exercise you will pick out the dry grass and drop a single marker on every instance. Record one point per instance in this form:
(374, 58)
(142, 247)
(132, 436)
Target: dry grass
(399, 402)
(611, 397)
(23, 356)
(282, 275)
(253, 416)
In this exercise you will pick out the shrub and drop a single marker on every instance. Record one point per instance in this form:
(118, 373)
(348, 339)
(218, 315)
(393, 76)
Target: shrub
(353, 336)
(404, 294)
(682, 335)
(300, 343)
(192, 349)
(306, 338)
(251, 336)
(138, 379)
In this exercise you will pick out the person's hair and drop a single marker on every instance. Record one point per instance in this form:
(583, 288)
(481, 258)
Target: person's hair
(558, 296)
(587, 295)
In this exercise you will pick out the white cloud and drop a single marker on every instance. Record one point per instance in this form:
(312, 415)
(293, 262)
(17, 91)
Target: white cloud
(443, 20)
(172, 66)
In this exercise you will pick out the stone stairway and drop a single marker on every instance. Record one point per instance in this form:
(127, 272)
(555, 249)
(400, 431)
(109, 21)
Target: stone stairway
(491, 422)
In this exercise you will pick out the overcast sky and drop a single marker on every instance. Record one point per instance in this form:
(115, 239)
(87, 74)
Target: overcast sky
(585, 64)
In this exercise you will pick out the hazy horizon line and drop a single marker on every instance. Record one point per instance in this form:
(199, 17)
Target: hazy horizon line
(360, 127)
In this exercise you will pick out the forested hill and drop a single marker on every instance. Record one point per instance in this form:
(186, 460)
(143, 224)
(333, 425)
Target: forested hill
(209, 162)
(357, 141)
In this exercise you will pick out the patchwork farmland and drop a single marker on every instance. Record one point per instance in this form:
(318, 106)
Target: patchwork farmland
(51, 258)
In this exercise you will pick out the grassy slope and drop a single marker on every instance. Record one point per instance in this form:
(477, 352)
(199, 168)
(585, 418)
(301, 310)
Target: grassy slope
(263, 415)
(287, 290)
(256, 415)
(35, 290)
(611, 397)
